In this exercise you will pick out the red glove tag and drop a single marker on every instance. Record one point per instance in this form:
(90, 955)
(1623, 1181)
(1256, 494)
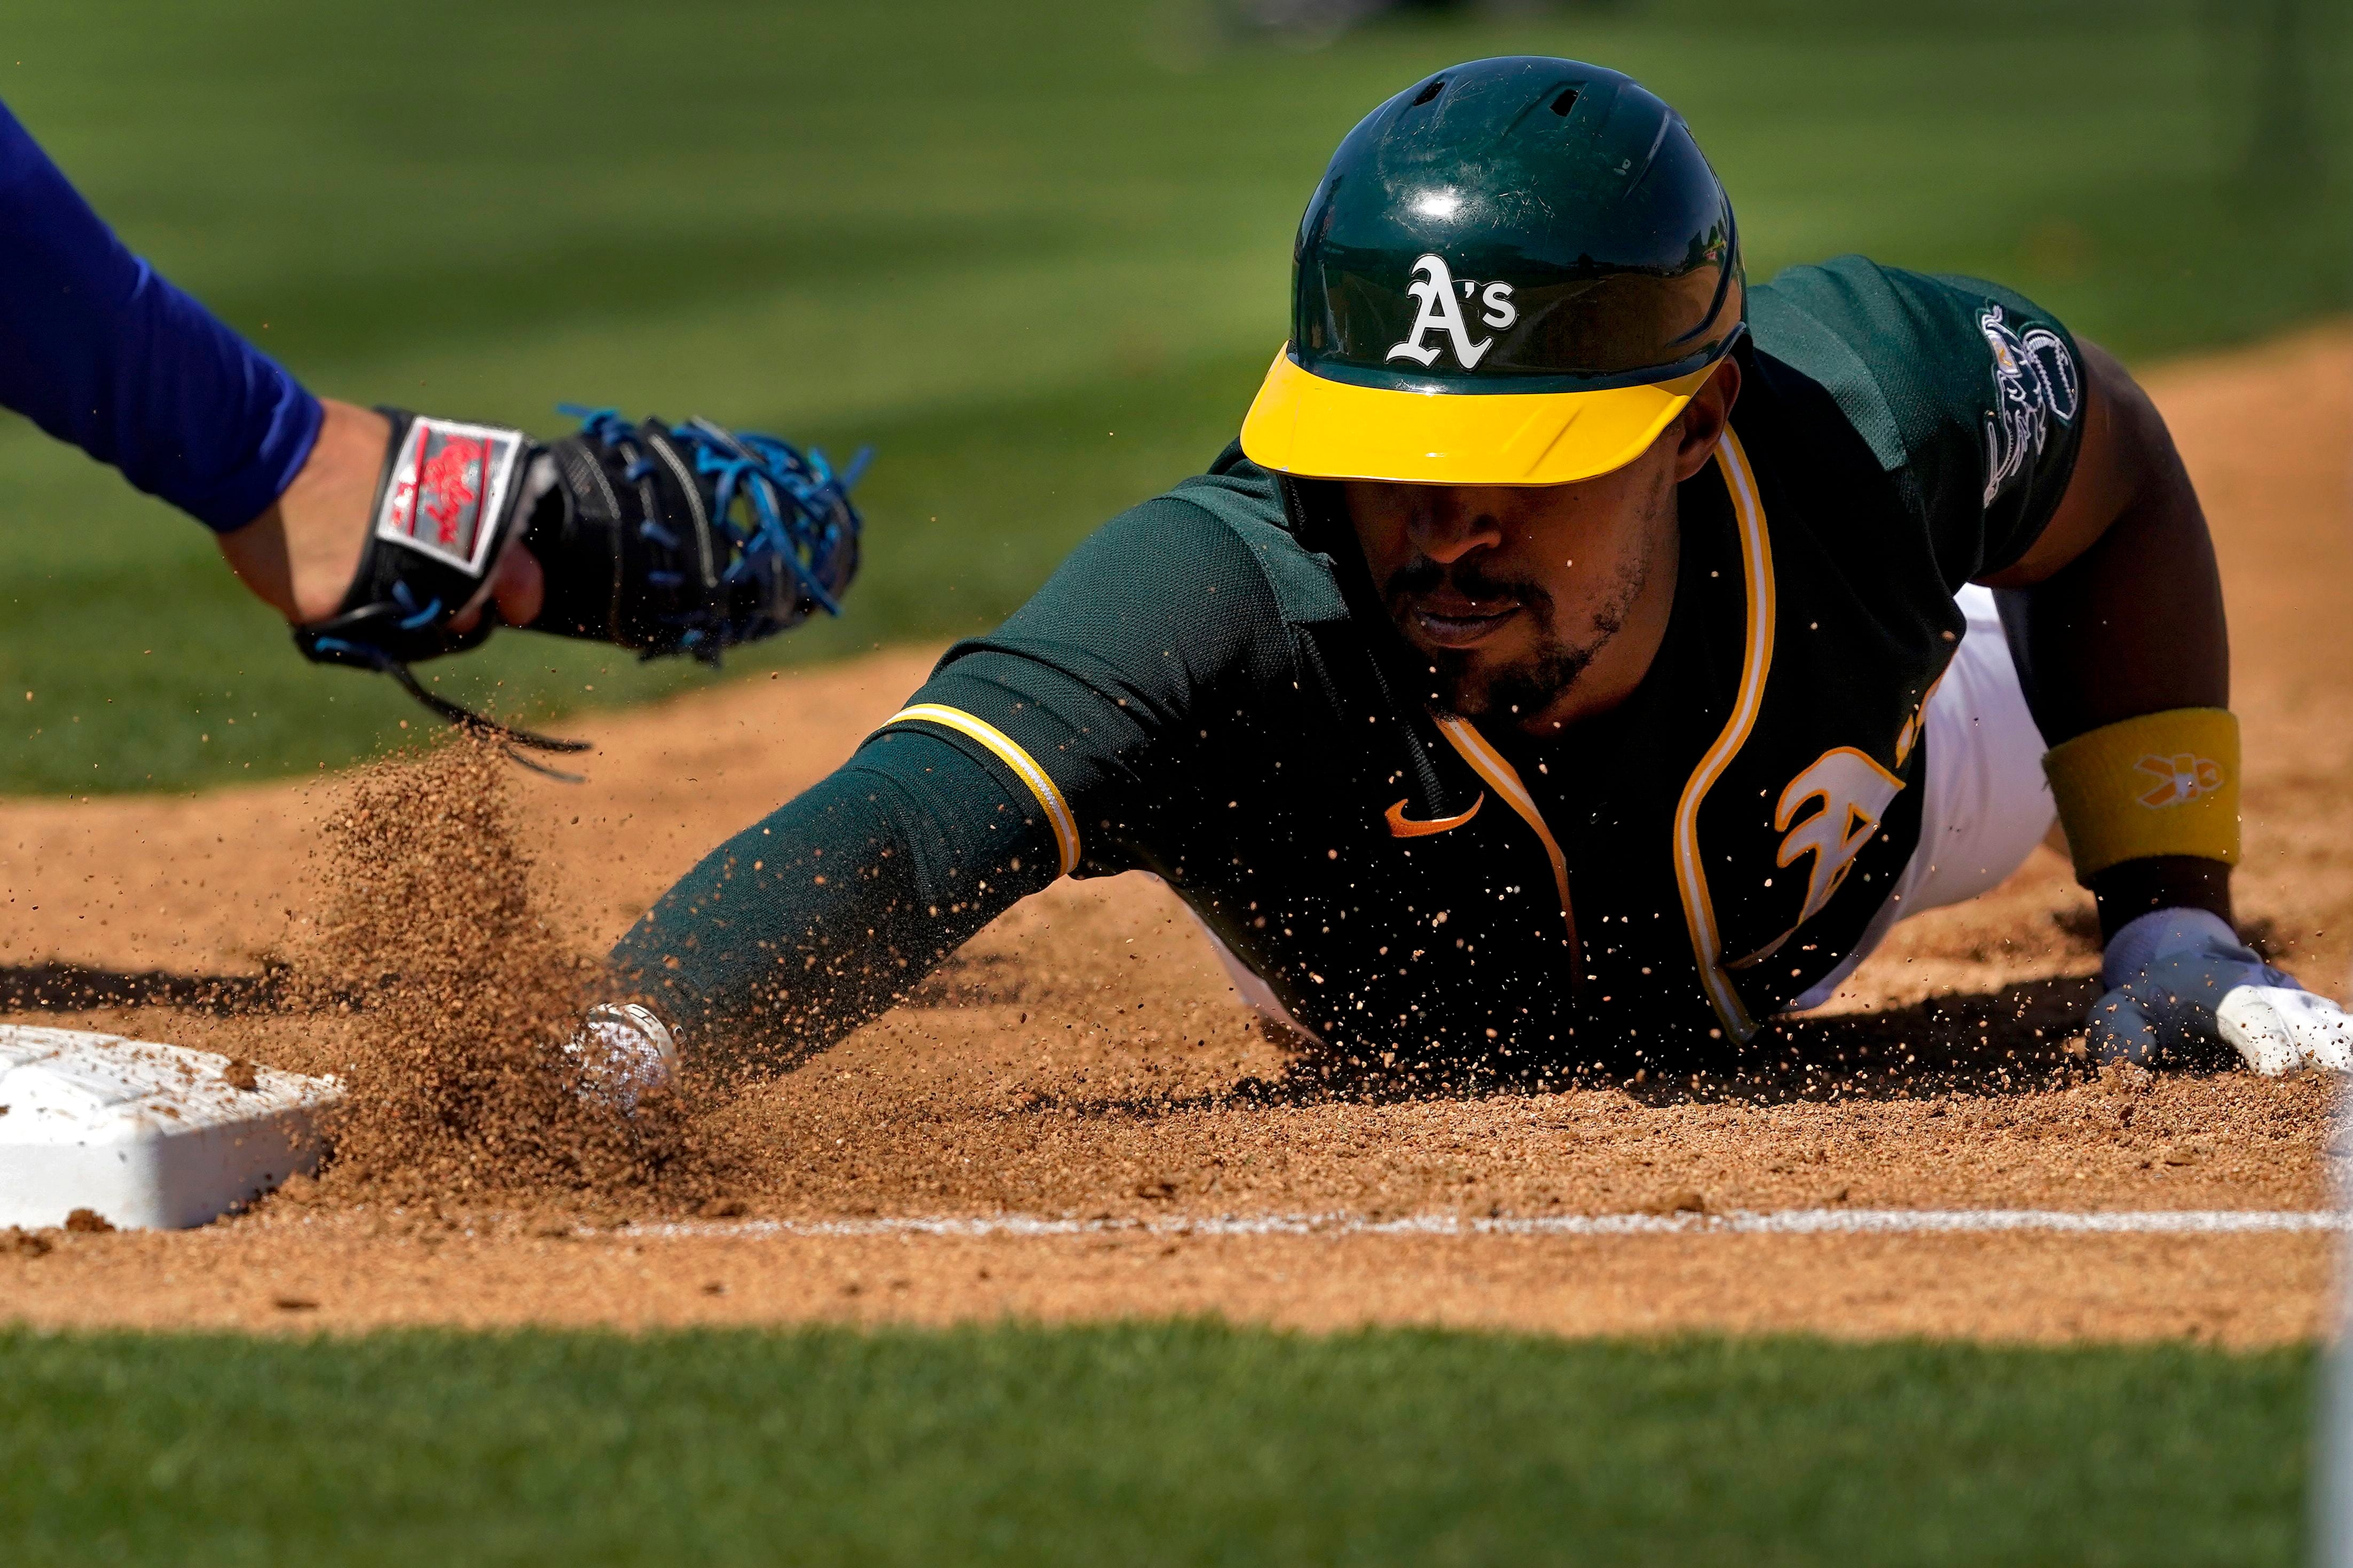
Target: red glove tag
(449, 486)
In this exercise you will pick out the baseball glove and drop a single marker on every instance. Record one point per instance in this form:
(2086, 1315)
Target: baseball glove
(665, 539)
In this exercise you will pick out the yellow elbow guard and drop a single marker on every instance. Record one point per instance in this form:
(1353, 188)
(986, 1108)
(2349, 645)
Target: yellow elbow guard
(2163, 784)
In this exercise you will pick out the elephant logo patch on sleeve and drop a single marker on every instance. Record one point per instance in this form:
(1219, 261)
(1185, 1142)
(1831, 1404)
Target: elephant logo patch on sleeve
(1854, 793)
(2034, 382)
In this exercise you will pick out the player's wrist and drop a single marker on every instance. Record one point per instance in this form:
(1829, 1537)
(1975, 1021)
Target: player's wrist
(2139, 940)
(2160, 787)
(2134, 888)
(438, 521)
(300, 556)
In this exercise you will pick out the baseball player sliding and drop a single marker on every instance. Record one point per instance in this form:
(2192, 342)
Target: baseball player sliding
(385, 536)
(1581, 657)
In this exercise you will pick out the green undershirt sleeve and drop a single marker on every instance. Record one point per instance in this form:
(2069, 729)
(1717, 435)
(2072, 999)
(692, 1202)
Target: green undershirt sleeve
(1131, 675)
(816, 918)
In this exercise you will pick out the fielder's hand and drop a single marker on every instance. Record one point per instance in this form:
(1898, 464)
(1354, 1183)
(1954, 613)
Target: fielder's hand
(2181, 984)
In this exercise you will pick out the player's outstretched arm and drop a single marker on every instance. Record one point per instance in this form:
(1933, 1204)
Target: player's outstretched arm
(2116, 616)
(99, 349)
(1038, 750)
(816, 918)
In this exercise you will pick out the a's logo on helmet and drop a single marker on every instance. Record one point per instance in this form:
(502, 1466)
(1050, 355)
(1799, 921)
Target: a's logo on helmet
(1441, 311)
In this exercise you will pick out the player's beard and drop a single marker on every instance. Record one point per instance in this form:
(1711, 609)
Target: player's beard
(1468, 685)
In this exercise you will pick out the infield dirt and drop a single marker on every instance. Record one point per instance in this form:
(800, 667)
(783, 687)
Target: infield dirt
(1084, 1057)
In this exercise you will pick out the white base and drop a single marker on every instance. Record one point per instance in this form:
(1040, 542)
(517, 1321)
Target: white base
(148, 1136)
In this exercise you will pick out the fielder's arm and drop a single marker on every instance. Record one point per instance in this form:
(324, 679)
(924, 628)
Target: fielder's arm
(99, 349)
(388, 540)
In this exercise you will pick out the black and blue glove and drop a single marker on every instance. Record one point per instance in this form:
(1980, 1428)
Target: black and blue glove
(662, 538)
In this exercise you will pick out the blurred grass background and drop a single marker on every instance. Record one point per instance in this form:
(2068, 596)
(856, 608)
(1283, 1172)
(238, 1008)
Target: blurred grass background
(1035, 254)
(1141, 1442)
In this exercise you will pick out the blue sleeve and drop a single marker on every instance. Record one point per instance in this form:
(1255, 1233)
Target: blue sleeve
(97, 348)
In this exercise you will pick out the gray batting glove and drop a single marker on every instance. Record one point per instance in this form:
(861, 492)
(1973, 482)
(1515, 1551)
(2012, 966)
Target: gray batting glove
(2180, 981)
(624, 1052)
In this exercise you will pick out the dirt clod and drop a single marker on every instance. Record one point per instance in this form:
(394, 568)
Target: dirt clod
(241, 1075)
(25, 1243)
(87, 1222)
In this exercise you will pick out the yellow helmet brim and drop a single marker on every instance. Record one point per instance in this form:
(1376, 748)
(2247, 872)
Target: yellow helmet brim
(1303, 424)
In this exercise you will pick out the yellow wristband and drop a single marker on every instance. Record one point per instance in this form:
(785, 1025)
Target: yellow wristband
(2163, 784)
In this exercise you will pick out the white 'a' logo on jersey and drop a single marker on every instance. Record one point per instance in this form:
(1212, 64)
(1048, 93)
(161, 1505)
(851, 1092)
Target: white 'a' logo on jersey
(1855, 792)
(1441, 311)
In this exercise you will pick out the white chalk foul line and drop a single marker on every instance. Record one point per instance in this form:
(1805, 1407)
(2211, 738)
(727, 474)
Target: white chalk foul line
(1738, 1222)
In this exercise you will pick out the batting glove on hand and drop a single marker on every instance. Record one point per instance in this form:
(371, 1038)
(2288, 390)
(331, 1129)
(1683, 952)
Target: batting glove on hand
(2182, 984)
(623, 1052)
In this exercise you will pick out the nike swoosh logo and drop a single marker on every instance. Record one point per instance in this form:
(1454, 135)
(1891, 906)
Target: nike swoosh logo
(1404, 826)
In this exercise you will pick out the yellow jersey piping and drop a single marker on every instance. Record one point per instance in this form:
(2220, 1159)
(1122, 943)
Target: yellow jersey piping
(1756, 662)
(1504, 779)
(1009, 752)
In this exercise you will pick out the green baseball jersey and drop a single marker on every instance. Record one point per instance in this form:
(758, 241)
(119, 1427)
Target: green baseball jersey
(1209, 688)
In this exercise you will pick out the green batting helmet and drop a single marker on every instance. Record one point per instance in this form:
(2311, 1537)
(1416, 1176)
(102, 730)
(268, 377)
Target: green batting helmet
(1517, 271)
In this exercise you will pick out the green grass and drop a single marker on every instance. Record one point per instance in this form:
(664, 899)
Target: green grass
(1035, 253)
(1140, 1444)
